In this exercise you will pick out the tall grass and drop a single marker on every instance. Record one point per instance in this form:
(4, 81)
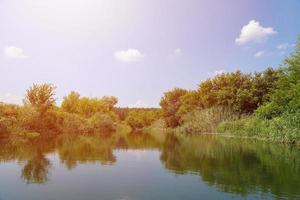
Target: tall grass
(205, 120)
(284, 129)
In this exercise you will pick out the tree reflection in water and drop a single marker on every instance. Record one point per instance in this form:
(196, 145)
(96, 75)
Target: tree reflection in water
(36, 170)
(231, 165)
(234, 165)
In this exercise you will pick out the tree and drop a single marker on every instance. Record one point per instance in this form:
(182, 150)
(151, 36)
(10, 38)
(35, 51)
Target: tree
(41, 97)
(227, 90)
(87, 107)
(110, 101)
(170, 104)
(189, 102)
(244, 93)
(70, 102)
(285, 98)
(138, 119)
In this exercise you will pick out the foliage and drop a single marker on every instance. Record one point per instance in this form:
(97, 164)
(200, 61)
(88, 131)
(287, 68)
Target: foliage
(270, 99)
(87, 107)
(138, 119)
(39, 115)
(205, 120)
(73, 123)
(8, 116)
(98, 123)
(102, 122)
(170, 104)
(122, 112)
(240, 92)
(286, 97)
(243, 92)
(248, 126)
(189, 102)
(284, 129)
(278, 119)
(41, 97)
(70, 102)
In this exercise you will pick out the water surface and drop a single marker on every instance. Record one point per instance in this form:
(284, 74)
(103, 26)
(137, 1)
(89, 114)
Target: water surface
(145, 166)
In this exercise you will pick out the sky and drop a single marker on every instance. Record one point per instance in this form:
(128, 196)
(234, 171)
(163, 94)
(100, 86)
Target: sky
(138, 49)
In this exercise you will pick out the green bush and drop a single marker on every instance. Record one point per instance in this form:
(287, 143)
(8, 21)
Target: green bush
(101, 122)
(73, 123)
(30, 119)
(140, 119)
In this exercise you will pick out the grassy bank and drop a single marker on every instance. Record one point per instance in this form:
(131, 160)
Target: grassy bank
(283, 129)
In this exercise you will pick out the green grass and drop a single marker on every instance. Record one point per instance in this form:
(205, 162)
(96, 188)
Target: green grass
(283, 129)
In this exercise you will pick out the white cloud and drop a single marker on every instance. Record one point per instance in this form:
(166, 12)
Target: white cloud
(14, 52)
(131, 55)
(254, 32)
(178, 52)
(284, 46)
(11, 98)
(259, 54)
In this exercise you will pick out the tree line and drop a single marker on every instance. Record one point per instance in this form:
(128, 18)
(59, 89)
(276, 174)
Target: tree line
(264, 104)
(261, 104)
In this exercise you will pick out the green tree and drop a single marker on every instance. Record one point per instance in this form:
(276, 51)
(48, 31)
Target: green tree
(41, 97)
(244, 93)
(227, 90)
(110, 101)
(138, 119)
(87, 107)
(170, 104)
(286, 97)
(70, 102)
(189, 102)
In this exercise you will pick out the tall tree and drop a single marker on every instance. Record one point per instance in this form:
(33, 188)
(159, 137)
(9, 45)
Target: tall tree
(41, 97)
(70, 102)
(170, 104)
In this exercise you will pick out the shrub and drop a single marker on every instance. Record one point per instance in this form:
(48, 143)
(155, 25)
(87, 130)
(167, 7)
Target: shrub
(87, 107)
(101, 122)
(141, 119)
(73, 123)
(30, 119)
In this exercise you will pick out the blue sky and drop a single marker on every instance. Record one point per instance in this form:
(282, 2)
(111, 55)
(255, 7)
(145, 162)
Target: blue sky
(138, 49)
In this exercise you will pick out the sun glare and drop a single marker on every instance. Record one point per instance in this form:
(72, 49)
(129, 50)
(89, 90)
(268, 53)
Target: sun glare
(78, 16)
